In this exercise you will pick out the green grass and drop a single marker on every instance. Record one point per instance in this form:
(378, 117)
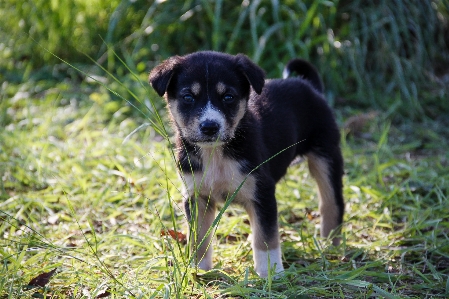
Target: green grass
(75, 197)
(390, 55)
(82, 194)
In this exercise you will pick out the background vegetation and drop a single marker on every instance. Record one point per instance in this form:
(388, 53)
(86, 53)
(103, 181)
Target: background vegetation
(80, 194)
(381, 54)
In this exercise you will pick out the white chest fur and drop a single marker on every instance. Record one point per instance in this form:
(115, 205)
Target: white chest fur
(220, 178)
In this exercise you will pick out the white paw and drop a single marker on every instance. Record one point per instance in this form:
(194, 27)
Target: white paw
(268, 260)
(205, 265)
(205, 262)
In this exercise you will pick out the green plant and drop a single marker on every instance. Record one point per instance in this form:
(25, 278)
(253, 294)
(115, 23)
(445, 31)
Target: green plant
(88, 188)
(384, 55)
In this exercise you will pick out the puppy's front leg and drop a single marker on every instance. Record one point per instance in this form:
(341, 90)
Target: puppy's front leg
(264, 225)
(201, 214)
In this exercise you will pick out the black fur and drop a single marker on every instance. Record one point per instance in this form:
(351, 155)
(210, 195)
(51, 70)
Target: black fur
(284, 118)
(305, 70)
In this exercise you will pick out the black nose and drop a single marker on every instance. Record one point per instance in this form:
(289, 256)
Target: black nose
(209, 127)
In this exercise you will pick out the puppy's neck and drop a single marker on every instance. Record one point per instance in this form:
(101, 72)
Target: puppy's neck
(211, 152)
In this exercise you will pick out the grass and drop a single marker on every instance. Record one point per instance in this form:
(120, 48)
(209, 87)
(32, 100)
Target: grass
(390, 55)
(84, 193)
(76, 198)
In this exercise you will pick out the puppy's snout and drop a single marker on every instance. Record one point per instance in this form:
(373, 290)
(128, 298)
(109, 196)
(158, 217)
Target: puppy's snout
(209, 127)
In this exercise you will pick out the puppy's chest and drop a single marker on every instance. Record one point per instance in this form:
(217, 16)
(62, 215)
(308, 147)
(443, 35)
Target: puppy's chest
(220, 177)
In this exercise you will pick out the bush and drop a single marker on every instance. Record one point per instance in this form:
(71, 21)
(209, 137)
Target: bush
(381, 54)
(64, 27)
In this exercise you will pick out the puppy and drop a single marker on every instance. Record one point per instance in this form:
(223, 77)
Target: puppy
(237, 133)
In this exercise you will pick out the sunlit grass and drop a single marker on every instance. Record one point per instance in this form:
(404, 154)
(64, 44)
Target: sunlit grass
(83, 192)
(76, 198)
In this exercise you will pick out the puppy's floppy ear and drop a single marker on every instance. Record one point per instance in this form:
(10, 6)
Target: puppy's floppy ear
(161, 75)
(254, 74)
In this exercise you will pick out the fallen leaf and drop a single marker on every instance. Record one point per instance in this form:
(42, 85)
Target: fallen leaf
(293, 218)
(71, 244)
(356, 124)
(106, 293)
(42, 279)
(178, 236)
(309, 214)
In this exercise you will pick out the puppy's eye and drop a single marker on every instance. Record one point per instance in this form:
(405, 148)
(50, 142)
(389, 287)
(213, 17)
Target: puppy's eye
(228, 98)
(188, 98)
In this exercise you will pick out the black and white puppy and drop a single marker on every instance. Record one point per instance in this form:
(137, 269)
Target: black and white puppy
(228, 121)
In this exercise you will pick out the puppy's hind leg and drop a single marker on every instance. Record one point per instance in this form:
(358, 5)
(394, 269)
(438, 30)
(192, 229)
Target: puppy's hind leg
(200, 214)
(328, 171)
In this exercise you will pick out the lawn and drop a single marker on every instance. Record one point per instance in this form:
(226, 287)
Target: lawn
(90, 200)
(83, 196)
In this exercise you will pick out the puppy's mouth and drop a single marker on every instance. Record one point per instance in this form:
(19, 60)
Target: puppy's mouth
(210, 144)
(208, 141)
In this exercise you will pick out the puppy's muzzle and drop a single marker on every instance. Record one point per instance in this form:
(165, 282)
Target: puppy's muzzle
(209, 128)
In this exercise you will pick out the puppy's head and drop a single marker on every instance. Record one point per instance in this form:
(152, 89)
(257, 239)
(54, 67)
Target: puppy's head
(207, 93)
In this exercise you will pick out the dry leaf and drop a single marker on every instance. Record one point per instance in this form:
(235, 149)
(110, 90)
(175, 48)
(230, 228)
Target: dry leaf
(311, 214)
(178, 236)
(356, 124)
(106, 293)
(42, 279)
(293, 218)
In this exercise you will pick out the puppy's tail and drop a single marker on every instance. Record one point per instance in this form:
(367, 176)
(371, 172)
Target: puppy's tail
(306, 70)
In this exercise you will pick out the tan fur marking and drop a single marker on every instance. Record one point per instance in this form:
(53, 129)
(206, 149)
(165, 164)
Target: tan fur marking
(196, 88)
(318, 167)
(175, 116)
(206, 216)
(240, 114)
(221, 88)
(188, 130)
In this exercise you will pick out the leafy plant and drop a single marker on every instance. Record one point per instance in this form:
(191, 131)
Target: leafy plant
(384, 54)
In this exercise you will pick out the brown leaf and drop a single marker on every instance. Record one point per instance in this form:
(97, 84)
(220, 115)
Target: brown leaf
(178, 236)
(71, 244)
(42, 279)
(357, 123)
(106, 293)
(293, 218)
(231, 238)
(311, 214)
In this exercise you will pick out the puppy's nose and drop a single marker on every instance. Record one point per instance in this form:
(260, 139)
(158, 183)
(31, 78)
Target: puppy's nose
(209, 127)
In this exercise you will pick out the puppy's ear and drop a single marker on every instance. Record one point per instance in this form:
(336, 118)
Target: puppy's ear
(254, 74)
(161, 75)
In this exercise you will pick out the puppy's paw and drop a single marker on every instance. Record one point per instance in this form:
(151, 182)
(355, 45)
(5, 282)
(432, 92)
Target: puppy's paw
(268, 260)
(205, 264)
(275, 271)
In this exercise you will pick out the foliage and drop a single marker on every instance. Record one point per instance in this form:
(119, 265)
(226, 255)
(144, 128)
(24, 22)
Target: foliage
(389, 55)
(400, 47)
(68, 29)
